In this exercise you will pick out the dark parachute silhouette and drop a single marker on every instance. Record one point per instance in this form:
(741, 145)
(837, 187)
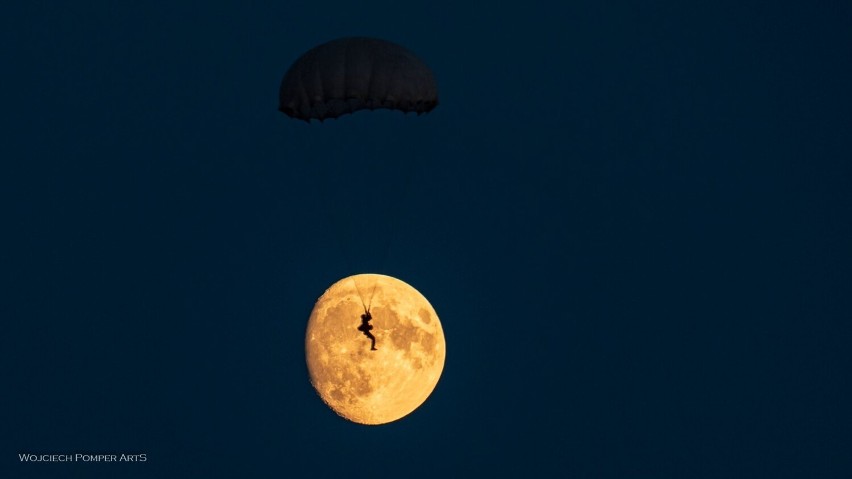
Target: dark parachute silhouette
(351, 74)
(354, 168)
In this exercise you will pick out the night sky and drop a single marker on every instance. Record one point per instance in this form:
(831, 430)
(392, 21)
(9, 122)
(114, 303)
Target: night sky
(633, 220)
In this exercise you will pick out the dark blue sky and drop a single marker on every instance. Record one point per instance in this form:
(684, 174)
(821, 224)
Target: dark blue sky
(634, 222)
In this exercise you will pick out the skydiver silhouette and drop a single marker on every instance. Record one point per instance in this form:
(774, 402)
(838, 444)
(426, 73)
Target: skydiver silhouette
(366, 327)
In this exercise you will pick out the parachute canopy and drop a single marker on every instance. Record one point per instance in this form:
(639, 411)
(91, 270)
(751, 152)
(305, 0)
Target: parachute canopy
(351, 74)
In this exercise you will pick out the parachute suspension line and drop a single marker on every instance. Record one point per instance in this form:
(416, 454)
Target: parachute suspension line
(326, 171)
(347, 257)
(370, 300)
(366, 306)
(394, 218)
(319, 169)
(346, 252)
(408, 85)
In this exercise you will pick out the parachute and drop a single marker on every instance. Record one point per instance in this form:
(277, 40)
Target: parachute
(351, 74)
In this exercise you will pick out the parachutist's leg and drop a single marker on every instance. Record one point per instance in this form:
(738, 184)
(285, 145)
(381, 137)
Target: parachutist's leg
(373, 339)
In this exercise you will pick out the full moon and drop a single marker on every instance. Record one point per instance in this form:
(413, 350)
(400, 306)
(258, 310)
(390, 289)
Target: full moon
(378, 386)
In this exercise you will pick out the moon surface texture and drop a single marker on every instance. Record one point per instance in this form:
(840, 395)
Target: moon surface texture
(374, 387)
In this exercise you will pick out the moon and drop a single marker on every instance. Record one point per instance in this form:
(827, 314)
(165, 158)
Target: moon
(381, 386)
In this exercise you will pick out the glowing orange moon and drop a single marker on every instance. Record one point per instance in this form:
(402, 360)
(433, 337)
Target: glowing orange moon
(374, 387)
